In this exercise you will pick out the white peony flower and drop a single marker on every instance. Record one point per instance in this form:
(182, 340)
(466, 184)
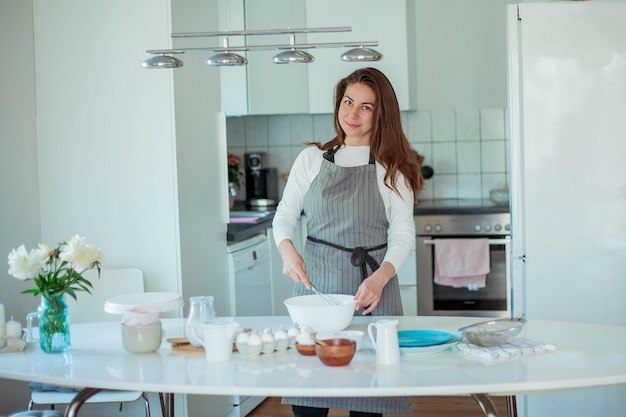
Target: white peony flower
(55, 271)
(42, 255)
(79, 255)
(24, 265)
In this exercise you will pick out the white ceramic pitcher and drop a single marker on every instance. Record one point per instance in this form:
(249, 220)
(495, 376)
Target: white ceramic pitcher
(217, 339)
(386, 341)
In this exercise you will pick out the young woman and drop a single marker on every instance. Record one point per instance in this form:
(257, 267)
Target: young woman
(357, 192)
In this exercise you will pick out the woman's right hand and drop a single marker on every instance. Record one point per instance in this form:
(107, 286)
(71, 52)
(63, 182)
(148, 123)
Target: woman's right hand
(293, 264)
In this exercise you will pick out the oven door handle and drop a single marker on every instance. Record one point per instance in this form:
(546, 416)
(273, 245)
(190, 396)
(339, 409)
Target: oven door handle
(504, 241)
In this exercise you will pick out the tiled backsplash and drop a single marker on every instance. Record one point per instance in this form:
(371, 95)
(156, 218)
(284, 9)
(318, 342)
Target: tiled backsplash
(466, 148)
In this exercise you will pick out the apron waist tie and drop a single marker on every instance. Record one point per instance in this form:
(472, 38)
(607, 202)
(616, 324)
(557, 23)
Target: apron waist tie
(360, 255)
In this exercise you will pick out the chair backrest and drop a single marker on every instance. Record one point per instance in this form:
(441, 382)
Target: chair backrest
(112, 282)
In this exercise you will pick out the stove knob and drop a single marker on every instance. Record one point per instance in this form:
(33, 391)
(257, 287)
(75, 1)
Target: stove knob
(487, 228)
(497, 227)
(428, 228)
(477, 228)
(507, 227)
(437, 228)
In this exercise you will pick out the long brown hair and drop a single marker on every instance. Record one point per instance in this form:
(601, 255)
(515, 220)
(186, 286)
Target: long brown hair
(389, 145)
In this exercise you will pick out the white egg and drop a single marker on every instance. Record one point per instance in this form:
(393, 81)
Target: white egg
(255, 339)
(255, 344)
(243, 337)
(242, 342)
(305, 339)
(307, 329)
(293, 332)
(282, 339)
(269, 343)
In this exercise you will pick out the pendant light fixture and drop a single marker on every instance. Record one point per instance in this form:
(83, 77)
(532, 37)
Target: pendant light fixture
(293, 56)
(361, 54)
(162, 61)
(226, 58)
(291, 53)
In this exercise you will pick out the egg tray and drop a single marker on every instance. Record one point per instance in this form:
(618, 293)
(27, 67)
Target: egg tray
(183, 346)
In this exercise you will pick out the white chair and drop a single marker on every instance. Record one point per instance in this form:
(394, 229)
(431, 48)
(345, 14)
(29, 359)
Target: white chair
(90, 308)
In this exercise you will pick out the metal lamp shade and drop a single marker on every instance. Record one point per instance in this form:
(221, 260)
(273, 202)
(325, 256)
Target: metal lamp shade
(293, 56)
(162, 61)
(361, 54)
(226, 59)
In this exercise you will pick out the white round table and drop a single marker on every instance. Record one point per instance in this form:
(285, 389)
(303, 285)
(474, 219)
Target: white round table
(97, 360)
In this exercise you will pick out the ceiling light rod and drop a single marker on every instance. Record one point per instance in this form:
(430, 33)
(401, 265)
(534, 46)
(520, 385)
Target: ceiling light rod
(260, 32)
(260, 48)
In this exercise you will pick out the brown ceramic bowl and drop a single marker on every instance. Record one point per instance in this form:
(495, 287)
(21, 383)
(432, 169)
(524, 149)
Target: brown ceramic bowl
(336, 352)
(306, 350)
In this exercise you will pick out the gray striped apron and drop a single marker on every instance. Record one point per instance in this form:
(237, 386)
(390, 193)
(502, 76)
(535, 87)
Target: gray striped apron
(344, 208)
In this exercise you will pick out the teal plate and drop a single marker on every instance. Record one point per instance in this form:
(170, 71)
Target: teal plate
(424, 337)
(453, 338)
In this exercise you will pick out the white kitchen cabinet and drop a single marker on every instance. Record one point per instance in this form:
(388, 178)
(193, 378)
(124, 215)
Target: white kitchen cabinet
(407, 277)
(272, 88)
(233, 80)
(282, 285)
(460, 53)
(387, 22)
(309, 88)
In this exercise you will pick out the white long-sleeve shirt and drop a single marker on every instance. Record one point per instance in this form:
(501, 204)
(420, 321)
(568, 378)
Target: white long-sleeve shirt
(398, 208)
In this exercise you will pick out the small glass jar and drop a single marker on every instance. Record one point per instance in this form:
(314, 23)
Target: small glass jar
(201, 311)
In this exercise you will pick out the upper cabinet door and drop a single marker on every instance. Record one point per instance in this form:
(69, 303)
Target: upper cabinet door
(371, 20)
(233, 80)
(274, 88)
(309, 88)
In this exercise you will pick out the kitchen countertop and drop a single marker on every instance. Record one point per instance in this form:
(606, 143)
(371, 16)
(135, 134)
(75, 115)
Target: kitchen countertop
(246, 222)
(244, 227)
(459, 206)
(237, 232)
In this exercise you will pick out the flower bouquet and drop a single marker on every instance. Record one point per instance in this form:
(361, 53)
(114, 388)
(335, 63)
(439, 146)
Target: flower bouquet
(234, 174)
(55, 272)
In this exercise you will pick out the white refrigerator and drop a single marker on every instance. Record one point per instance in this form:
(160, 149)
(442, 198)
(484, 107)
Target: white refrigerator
(567, 124)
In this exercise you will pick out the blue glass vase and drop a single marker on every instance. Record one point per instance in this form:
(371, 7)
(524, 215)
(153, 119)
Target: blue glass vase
(54, 324)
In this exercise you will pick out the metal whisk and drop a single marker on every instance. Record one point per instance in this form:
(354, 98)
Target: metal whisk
(328, 300)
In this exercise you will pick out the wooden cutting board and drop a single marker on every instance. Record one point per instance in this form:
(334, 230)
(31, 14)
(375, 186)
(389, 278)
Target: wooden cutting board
(182, 345)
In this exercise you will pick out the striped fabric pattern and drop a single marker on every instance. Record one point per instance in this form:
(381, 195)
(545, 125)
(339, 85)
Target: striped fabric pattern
(343, 206)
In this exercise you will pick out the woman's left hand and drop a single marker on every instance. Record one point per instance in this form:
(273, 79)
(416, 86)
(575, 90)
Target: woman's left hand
(371, 289)
(369, 293)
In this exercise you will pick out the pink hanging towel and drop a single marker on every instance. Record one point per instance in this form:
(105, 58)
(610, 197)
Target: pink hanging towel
(462, 262)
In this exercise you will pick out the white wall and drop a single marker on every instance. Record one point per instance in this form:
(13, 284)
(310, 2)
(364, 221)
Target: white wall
(106, 133)
(101, 157)
(19, 211)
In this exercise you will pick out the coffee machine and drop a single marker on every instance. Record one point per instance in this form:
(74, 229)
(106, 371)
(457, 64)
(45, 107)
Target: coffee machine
(261, 182)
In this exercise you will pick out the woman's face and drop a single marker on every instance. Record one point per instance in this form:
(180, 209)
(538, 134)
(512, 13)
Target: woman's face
(356, 114)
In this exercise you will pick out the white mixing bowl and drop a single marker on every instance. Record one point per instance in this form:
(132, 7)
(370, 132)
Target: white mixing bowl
(309, 310)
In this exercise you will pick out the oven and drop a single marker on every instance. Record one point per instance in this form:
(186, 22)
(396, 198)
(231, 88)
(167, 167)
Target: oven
(492, 300)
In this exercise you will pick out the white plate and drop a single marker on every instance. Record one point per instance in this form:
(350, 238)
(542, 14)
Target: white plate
(159, 301)
(423, 350)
